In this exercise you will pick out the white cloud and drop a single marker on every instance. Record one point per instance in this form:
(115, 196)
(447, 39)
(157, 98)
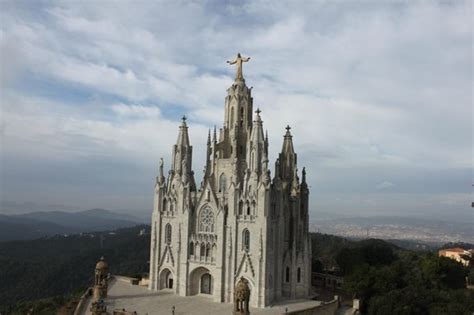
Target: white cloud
(134, 111)
(385, 185)
(363, 85)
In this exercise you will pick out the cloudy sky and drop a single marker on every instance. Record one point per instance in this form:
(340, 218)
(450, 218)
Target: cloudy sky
(378, 94)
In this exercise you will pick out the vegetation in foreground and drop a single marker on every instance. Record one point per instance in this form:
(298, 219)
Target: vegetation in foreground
(43, 274)
(391, 280)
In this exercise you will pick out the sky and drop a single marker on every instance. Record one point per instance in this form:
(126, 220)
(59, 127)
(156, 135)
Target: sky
(378, 94)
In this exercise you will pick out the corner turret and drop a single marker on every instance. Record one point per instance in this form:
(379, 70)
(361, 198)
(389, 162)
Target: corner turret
(285, 167)
(182, 155)
(256, 146)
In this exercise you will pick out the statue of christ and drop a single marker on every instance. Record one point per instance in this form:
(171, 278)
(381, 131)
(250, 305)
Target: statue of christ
(238, 61)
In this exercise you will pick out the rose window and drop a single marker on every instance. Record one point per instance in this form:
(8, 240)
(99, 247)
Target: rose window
(206, 221)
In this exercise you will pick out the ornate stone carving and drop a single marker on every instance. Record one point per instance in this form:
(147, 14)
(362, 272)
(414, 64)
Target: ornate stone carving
(239, 60)
(241, 297)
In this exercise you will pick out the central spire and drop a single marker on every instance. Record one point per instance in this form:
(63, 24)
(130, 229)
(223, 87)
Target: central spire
(238, 115)
(239, 60)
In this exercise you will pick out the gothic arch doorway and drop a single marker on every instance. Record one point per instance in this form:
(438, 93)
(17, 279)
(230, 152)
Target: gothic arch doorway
(206, 281)
(166, 279)
(201, 281)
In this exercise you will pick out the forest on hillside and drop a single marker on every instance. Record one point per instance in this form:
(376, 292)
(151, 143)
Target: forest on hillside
(391, 280)
(46, 273)
(53, 269)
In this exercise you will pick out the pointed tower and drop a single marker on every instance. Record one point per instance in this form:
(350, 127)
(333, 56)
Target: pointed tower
(292, 206)
(287, 159)
(174, 199)
(238, 114)
(182, 152)
(207, 169)
(256, 146)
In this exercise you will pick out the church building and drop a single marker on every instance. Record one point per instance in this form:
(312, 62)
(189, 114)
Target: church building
(240, 222)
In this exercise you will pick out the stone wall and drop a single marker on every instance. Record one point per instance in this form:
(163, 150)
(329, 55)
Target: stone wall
(326, 308)
(83, 302)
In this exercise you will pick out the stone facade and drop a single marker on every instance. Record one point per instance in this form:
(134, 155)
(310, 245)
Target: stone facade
(239, 222)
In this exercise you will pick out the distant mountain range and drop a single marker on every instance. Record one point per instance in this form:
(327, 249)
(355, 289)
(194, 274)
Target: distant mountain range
(40, 224)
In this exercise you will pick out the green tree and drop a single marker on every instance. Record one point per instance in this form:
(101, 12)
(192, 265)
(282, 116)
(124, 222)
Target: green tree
(443, 272)
(414, 283)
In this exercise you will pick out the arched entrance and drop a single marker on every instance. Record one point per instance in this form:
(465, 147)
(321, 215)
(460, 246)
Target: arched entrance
(201, 282)
(166, 279)
(206, 281)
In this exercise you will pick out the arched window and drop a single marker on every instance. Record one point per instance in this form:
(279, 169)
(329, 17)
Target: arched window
(248, 208)
(222, 183)
(231, 118)
(206, 221)
(241, 207)
(287, 274)
(254, 207)
(191, 248)
(164, 205)
(214, 250)
(298, 275)
(168, 233)
(203, 250)
(208, 250)
(246, 240)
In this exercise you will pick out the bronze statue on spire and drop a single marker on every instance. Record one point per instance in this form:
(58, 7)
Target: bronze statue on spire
(238, 61)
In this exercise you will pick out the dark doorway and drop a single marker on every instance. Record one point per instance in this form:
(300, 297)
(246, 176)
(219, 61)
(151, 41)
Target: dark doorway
(206, 283)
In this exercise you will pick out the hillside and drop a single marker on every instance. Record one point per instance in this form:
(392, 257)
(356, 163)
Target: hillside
(45, 272)
(14, 228)
(42, 224)
(60, 265)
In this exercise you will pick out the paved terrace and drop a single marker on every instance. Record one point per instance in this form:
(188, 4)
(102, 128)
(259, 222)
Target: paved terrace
(123, 295)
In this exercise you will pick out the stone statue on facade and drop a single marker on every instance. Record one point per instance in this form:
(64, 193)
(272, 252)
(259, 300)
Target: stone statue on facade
(239, 60)
(242, 297)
